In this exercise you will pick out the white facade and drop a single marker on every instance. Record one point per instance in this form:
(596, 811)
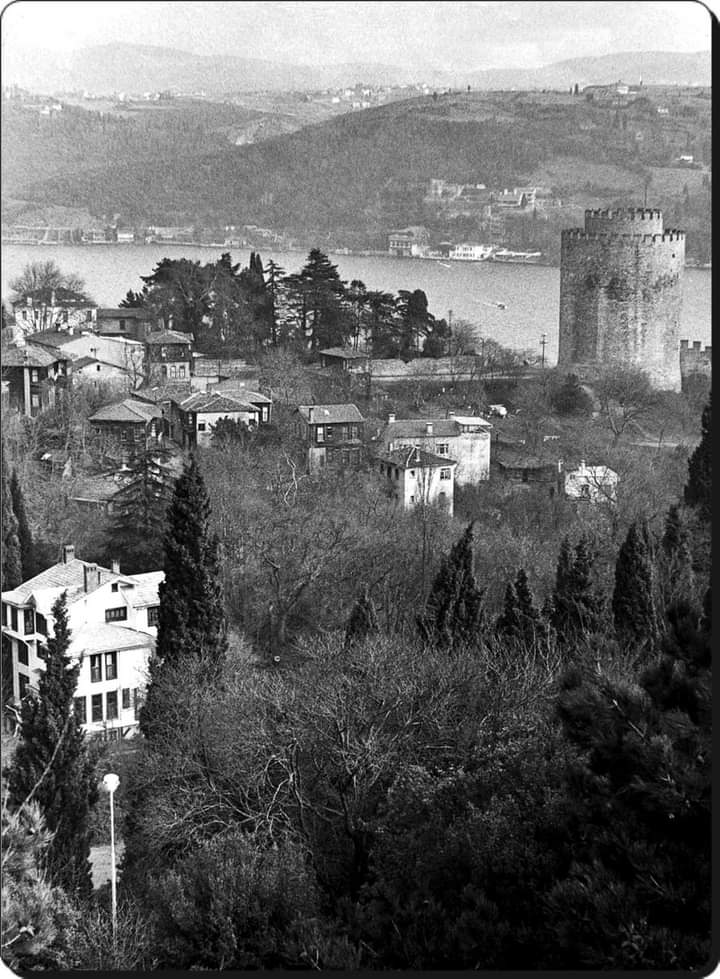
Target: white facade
(463, 438)
(112, 618)
(205, 421)
(416, 478)
(97, 372)
(598, 484)
(466, 252)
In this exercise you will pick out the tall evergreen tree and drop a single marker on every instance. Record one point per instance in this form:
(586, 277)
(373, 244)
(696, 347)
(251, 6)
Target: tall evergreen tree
(675, 565)
(363, 619)
(698, 491)
(633, 601)
(576, 604)
(11, 556)
(27, 547)
(51, 763)
(191, 620)
(454, 612)
(137, 523)
(520, 618)
(317, 293)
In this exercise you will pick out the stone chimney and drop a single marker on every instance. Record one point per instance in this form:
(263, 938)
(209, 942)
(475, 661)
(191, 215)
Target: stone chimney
(428, 428)
(115, 566)
(90, 571)
(391, 418)
(417, 454)
(68, 553)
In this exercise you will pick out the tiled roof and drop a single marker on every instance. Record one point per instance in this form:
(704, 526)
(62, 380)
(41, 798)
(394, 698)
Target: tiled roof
(330, 414)
(62, 296)
(129, 313)
(87, 361)
(100, 638)
(60, 577)
(415, 459)
(128, 410)
(169, 391)
(168, 336)
(27, 357)
(441, 427)
(208, 401)
(237, 389)
(207, 367)
(347, 352)
(52, 338)
(94, 488)
(146, 593)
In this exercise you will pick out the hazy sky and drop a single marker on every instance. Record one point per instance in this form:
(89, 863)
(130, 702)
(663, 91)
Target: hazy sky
(472, 34)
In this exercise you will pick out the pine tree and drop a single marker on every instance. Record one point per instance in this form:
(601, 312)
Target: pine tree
(508, 622)
(137, 522)
(191, 620)
(520, 618)
(637, 895)
(11, 556)
(51, 763)
(633, 601)
(675, 569)
(453, 612)
(698, 491)
(363, 619)
(27, 547)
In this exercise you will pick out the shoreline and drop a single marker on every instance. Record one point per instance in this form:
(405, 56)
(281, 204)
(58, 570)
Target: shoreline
(362, 253)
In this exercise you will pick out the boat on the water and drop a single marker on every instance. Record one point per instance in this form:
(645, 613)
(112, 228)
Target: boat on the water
(505, 255)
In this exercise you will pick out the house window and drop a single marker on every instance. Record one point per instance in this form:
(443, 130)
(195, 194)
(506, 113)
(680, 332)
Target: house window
(354, 432)
(320, 433)
(98, 367)
(34, 400)
(343, 433)
(443, 448)
(412, 499)
(585, 492)
(114, 586)
(111, 666)
(29, 621)
(163, 352)
(397, 474)
(412, 474)
(116, 614)
(121, 324)
(153, 614)
(24, 314)
(444, 474)
(95, 668)
(329, 429)
(13, 619)
(112, 705)
(65, 316)
(201, 426)
(22, 654)
(126, 698)
(40, 624)
(81, 709)
(96, 707)
(23, 683)
(123, 435)
(34, 376)
(88, 315)
(181, 371)
(172, 371)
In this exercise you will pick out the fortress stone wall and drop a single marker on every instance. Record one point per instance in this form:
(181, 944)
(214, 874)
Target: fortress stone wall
(621, 295)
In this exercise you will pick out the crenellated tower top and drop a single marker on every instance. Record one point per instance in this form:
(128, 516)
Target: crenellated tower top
(625, 221)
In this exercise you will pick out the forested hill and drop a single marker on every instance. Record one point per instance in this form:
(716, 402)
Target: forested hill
(349, 180)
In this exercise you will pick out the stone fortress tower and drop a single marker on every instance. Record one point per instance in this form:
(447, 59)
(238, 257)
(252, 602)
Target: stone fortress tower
(621, 295)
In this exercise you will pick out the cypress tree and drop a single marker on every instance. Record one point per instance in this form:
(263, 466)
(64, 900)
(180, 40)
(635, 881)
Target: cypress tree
(51, 762)
(454, 612)
(11, 556)
(191, 620)
(508, 622)
(677, 579)
(520, 618)
(575, 603)
(698, 491)
(27, 548)
(633, 602)
(363, 619)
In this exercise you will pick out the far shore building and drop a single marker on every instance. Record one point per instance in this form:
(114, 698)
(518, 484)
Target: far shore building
(464, 438)
(415, 477)
(113, 623)
(412, 242)
(333, 434)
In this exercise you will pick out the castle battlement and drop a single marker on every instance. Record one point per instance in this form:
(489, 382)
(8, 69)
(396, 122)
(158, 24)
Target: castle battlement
(578, 234)
(624, 213)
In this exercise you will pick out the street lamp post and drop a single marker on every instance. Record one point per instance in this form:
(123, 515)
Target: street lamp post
(111, 782)
(543, 341)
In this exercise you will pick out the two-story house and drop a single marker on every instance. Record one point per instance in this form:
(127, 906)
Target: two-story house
(415, 477)
(134, 322)
(54, 309)
(122, 352)
(135, 425)
(464, 438)
(333, 434)
(113, 623)
(34, 376)
(168, 355)
(194, 418)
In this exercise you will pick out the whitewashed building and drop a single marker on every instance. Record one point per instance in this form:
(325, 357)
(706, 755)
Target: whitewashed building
(597, 484)
(415, 477)
(113, 622)
(464, 438)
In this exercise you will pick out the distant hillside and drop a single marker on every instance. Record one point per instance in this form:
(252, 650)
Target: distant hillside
(351, 179)
(136, 68)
